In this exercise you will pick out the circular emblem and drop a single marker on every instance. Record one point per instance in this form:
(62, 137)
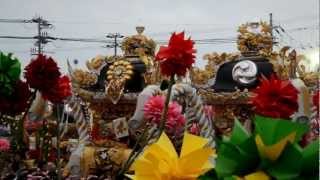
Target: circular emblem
(245, 72)
(121, 69)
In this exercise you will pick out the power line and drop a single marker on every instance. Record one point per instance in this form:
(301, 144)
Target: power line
(43, 38)
(305, 28)
(298, 44)
(89, 40)
(78, 48)
(16, 37)
(81, 40)
(16, 21)
(40, 37)
(131, 23)
(58, 38)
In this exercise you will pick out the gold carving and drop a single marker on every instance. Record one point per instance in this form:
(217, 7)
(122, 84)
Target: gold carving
(96, 63)
(83, 78)
(255, 37)
(138, 45)
(201, 77)
(118, 74)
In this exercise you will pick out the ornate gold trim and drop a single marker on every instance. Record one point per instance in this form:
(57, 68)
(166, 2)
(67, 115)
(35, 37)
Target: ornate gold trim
(118, 74)
(233, 98)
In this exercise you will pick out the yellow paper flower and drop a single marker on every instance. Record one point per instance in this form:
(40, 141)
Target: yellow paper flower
(160, 160)
(259, 175)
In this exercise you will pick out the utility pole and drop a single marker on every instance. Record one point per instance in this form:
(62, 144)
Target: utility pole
(115, 44)
(41, 36)
(271, 25)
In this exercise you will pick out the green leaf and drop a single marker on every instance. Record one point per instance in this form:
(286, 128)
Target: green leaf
(230, 178)
(310, 160)
(233, 159)
(288, 166)
(249, 146)
(239, 133)
(225, 163)
(272, 130)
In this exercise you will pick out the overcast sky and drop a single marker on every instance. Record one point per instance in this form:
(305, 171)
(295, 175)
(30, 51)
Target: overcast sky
(201, 19)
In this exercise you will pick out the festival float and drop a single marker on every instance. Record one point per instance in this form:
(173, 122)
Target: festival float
(154, 115)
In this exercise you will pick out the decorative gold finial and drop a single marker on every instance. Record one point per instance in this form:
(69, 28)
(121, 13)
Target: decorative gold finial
(140, 29)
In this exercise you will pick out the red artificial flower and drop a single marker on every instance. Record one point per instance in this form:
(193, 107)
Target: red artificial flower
(33, 154)
(177, 57)
(275, 98)
(17, 102)
(42, 73)
(95, 133)
(315, 100)
(52, 157)
(59, 92)
(153, 110)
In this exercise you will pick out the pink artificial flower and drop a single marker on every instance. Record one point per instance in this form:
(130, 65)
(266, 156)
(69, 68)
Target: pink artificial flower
(175, 118)
(194, 129)
(313, 134)
(209, 111)
(4, 145)
(315, 100)
(153, 110)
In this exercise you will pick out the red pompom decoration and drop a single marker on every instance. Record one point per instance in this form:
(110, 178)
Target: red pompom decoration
(177, 57)
(275, 98)
(42, 73)
(17, 102)
(59, 92)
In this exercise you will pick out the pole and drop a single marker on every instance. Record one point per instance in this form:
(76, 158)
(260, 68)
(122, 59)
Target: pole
(39, 36)
(58, 142)
(115, 37)
(115, 45)
(271, 25)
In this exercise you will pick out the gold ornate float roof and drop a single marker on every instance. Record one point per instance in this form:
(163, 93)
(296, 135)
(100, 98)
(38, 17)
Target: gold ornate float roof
(255, 39)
